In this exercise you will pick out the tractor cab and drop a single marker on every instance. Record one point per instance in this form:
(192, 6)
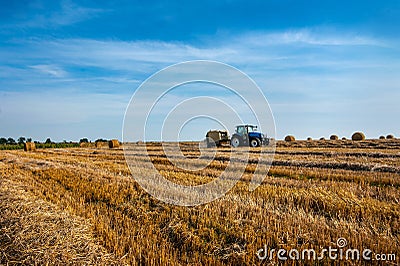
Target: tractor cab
(247, 135)
(245, 129)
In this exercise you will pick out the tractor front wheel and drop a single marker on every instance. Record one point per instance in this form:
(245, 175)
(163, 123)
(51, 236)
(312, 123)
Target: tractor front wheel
(255, 142)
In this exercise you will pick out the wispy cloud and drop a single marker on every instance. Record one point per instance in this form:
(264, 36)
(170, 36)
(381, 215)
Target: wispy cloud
(309, 37)
(51, 70)
(67, 13)
(275, 49)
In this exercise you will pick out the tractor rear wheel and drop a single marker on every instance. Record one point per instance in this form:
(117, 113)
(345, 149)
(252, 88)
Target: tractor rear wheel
(235, 142)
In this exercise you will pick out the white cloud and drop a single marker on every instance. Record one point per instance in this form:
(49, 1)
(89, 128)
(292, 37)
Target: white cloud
(68, 13)
(51, 70)
(125, 55)
(309, 37)
(271, 50)
(71, 13)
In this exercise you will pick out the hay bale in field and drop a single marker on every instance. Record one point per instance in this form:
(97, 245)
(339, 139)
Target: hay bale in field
(390, 136)
(344, 138)
(321, 138)
(333, 137)
(290, 138)
(29, 146)
(381, 137)
(358, 136)
(114, 143)
(100, 144)
(309, 138)
(84, 145)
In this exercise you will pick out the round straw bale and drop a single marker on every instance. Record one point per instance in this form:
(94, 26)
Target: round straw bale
(290, 138)
(114, 143)
(29, 146)
(84, 145)
(381, 137)
(390, 136)
(309, 138)
(358, 136)
(333, 137)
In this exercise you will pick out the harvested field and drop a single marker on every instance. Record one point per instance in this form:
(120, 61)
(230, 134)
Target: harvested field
(86, 208)
(36, 232)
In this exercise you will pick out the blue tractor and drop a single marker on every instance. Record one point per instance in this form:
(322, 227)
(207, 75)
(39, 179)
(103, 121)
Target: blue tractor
(247, 135)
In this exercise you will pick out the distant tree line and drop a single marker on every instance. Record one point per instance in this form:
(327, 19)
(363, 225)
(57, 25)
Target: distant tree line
(22, 140)
(12, 144)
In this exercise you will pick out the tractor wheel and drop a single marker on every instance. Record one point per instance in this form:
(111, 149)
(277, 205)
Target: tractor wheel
(255, 142)
(235, 142)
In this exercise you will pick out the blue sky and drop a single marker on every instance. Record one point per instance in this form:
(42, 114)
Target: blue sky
(68, 69)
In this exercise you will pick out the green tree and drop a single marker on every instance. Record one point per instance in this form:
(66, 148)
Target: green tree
(3, 141)
(84, 140)
(48, 141)
(11, 141)
(21, 140)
